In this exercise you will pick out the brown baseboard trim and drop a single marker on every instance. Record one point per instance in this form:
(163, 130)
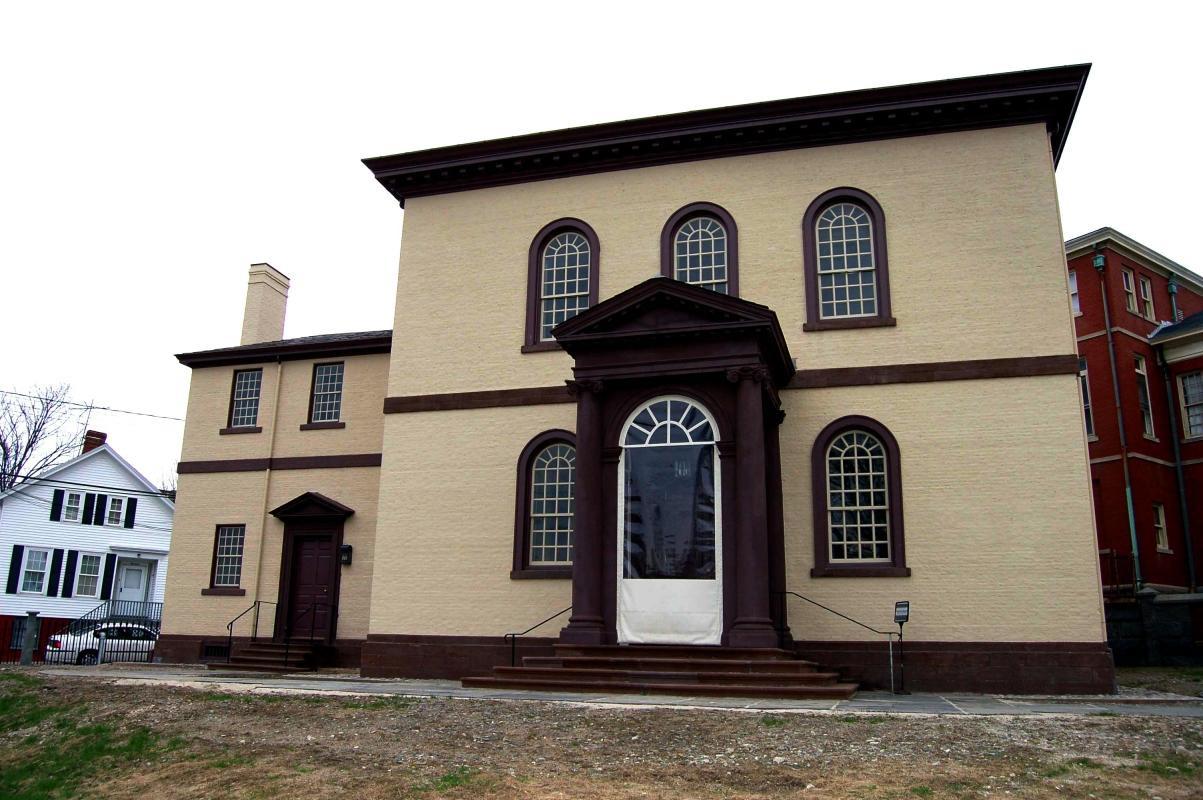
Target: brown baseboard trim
(981, 667)
(177, 648)
(980, 369)
(294, 462)
(451, 657)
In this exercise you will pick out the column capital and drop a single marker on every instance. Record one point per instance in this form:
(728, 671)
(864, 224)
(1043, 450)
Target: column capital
(577, 388)
(756, 373)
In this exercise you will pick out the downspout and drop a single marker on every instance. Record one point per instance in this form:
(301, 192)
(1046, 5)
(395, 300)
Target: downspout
(1182, 509)
(1174, 299)
(1099, 264)
(267, 480)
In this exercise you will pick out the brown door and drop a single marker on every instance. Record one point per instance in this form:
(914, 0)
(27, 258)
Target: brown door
(311, 594)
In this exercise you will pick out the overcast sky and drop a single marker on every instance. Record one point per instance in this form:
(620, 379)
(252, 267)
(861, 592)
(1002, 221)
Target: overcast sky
(151, 152)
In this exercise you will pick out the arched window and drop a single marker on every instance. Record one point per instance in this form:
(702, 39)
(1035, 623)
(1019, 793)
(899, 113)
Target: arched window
(562, 279)
(847, 280)
(857, 501)
(699, 245)
(546, 507)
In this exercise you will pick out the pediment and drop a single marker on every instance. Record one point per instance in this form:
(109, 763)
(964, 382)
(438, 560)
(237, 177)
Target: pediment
(311, 505)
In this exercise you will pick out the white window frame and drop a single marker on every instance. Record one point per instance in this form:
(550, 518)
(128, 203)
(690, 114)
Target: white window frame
(828, 265)
(1186, 407)
(78, 508)
(218, 557)
(1075, 302)
(330, 401)
(1160, 531)
(561, 298)
(109, 509)
(235, 400)
(1146, 412)
(539, 511)
(1147, 310)
(694, 235)
(1129, 290)
(79, 566)
(1087, 409)
(25, 568)
(877, 510)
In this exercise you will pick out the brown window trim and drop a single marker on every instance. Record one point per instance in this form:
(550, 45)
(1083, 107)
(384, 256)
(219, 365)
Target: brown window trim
(810, 267)
(309, 423)
(823, 567)
(323, 426)
(701, 209)
(522, 570)
(213, 588)
(534, 282)
(229, 428)
(233, 431)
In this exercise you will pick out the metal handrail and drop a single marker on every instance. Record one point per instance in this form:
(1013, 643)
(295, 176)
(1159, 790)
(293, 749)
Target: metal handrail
(889, 634)
(311, 609)
(512, 638)
(254, 628)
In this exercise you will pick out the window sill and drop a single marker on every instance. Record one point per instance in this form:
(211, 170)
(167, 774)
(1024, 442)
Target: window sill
(1165, 551)
(541, 347)
(850, 324)
(244, 429)
(541, 573)
(883, 571)
(1091, 438)
(323, 426)
(1152, 438)
(224, 591)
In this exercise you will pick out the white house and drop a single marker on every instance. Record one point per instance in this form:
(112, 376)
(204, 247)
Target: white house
(87, 532)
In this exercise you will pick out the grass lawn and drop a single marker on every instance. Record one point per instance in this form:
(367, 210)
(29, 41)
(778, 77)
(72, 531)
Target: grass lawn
(1179, 680)
(64, 737)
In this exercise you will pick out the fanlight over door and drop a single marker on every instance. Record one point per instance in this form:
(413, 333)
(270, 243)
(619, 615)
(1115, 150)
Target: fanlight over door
(670, 526)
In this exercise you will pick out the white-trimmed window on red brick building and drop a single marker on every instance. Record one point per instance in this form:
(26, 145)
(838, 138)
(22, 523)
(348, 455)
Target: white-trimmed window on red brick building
(1146, 299)
(1159, 529)
(1190, 389)
(1075, 301)
(1142, 393)
(1130, 291)
(1084, 381)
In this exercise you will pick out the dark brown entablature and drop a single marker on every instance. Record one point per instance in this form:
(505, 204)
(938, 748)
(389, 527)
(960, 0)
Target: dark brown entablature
(1049, 96)
(324, 346)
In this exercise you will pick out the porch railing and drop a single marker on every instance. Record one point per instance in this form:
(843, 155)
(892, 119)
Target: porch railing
(254, 625)
(512, 638)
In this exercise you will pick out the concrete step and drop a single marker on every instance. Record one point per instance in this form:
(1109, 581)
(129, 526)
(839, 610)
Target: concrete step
(834, 691)
(639, 662)
(666, 676)
(676, 651)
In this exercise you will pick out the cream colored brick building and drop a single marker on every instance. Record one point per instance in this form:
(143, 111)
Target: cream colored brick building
(867, 395)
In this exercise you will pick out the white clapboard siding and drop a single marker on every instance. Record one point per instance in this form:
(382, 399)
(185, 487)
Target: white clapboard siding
(25, 520)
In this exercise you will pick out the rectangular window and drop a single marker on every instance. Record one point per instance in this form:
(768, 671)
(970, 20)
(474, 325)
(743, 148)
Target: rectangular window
(1146, 299)
(1163, 537)
(33, 573)
(227, 555)
(116, 508)
(1074, 301)
(87, 579)
(1129, 290)
(1190, 387)
(327, 393)
(244, 407)
(71, 506)
(1142, 393)
(1085, 382)
(18, 633)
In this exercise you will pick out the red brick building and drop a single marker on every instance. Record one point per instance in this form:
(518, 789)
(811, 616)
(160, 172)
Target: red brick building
(1139, 324)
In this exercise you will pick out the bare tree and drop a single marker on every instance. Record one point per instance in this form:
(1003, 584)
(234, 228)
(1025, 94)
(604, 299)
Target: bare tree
(168, 484)
(37, 430)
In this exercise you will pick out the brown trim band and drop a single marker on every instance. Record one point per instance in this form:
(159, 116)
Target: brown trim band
(978, 369)
(295, 462)
(322, 426)
(223, 591)
(244, 429)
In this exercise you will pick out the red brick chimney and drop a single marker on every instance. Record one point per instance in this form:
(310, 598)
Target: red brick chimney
(94, 439)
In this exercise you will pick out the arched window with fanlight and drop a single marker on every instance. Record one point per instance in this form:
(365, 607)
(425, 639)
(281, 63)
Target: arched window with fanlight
(845, 265)
(857, 485)
(546, 507)
(562, 279)
(700, 246)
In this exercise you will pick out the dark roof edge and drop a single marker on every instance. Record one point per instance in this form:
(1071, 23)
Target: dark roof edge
(291, 350)
(1049, 95)
(1183, 328)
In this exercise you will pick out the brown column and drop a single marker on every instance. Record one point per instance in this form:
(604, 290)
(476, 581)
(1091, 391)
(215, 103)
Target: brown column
(586, 625)
(753, 626)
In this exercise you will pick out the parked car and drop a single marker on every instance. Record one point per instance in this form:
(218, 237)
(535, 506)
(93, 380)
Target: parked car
(122, 642)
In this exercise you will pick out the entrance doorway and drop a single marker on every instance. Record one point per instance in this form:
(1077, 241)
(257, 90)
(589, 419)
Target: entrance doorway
(670, 526)
(133, 581)
(311, 586)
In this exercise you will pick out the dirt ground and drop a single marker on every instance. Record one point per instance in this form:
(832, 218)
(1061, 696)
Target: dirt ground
(182, 743)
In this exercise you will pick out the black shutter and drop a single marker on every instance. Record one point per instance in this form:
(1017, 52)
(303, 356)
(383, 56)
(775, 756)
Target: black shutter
(69, 574)
(102, 504)
(89, 504)
(131, 509)
(110, 565)
(56, 568)
(14, 569)
(56, 506)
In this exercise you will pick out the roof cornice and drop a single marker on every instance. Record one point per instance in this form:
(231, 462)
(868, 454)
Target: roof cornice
(1049, 96)
(333, 345)
(1110, 237)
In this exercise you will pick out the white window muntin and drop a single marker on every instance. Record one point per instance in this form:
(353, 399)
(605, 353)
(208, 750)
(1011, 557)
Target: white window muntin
(847, 268)
(87, 575)
(858, 510)
(1143, 397)
(327, 393)
(552, 511)
(1190, 390)
(227, 567)
(115, 509)
(1075, 302)
(244, 412)
(700, 254)
(1084, 381)
(34, 566)
(1146, 299)
(1129, 290)
(564, 280)
(1159, 528)
(72, 506)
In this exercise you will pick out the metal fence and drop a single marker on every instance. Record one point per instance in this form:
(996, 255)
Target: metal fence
(114, 631)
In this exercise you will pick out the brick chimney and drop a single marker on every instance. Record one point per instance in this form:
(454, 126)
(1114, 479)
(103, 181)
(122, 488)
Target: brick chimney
(93, 439)
(266, 301)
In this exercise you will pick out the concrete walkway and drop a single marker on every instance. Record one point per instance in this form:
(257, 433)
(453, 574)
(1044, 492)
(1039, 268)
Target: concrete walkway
(864, 702)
